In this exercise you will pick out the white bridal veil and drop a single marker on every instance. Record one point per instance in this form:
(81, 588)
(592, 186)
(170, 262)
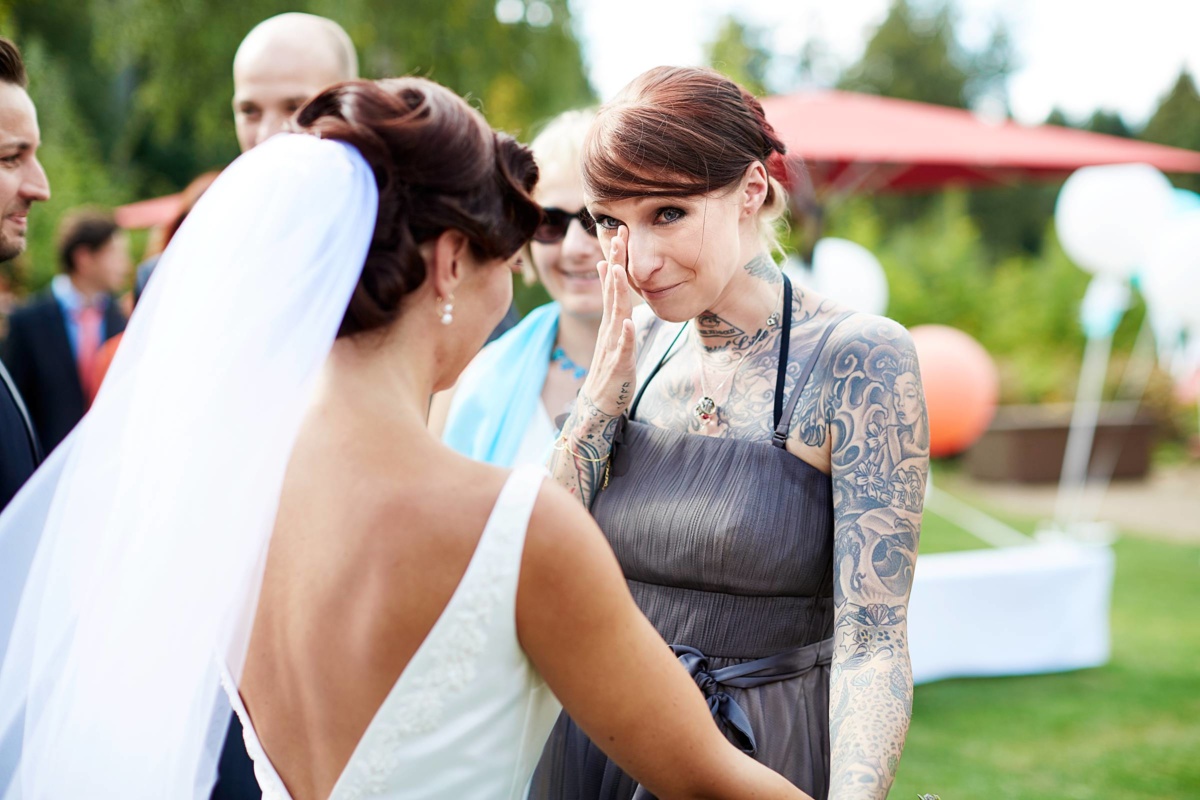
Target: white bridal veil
(132, 559)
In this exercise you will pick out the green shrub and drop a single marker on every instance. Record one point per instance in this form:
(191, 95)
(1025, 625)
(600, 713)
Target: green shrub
(1024, 309)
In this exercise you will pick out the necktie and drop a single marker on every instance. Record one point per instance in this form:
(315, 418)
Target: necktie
(89, 319)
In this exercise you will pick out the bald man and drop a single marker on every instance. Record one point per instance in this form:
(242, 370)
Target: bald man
(280, 64)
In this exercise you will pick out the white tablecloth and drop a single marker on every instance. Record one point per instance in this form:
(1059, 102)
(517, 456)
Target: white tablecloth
(1010, 611)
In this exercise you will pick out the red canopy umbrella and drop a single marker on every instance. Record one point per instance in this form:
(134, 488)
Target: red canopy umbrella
(149, 213)
(855, 142)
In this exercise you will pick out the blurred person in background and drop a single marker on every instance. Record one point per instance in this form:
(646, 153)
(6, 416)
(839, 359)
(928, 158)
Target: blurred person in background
(282, 62)
(22, 183)
(54, 340)
(109, 349)
(742, 477)
(504, 406)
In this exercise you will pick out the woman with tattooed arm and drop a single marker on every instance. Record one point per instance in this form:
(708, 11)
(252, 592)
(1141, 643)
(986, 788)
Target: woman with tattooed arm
(755, 453)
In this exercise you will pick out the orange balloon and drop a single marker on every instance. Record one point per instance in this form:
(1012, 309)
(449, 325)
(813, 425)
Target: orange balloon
(962, 387)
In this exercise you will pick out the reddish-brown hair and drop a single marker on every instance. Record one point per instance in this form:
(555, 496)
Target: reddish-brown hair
(439, 167)
(678, 131)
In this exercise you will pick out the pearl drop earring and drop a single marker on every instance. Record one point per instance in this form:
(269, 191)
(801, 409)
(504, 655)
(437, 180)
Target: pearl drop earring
(447, 311)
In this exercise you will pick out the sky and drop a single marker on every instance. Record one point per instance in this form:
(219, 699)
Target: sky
(1077, 55)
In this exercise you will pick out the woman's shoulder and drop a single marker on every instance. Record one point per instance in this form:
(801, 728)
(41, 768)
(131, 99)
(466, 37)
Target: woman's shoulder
(850, 345)
(850, 331)
(445, 484)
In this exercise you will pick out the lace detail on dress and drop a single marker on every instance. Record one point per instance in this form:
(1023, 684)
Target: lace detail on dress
(449, 665)
(269, 782)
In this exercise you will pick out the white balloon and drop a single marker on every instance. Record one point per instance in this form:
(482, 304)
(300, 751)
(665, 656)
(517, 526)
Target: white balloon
(1107, 217)
(799, 272)
(850, 274)
(1170, 279)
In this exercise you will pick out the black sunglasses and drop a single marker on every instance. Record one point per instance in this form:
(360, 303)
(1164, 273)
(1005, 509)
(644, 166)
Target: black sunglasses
(555, 221)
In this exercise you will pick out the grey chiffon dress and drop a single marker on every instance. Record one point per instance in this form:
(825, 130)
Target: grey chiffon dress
(727, 546)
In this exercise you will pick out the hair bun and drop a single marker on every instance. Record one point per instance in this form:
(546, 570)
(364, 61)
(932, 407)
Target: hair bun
(438, 166)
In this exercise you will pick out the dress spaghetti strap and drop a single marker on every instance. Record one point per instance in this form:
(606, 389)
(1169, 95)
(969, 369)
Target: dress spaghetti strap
(783, 425)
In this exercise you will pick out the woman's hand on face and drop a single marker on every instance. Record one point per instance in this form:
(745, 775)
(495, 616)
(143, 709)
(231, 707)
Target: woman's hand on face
(611, 381)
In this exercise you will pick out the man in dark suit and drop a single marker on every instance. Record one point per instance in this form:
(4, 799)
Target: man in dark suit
(22, 183)
(53, 341)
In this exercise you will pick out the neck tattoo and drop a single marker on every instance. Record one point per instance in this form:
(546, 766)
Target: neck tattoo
(707, 410)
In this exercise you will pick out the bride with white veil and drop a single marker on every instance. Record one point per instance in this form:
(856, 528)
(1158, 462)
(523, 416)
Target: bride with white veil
(254, 495)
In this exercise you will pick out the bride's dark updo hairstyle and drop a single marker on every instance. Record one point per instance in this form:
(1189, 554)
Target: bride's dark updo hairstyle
(439, 166)
(682, 131)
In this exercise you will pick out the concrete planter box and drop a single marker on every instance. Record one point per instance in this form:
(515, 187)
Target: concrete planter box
(1025, 444)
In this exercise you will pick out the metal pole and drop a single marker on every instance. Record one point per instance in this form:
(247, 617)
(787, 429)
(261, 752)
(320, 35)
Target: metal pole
(1083, 431)
(1134, 381)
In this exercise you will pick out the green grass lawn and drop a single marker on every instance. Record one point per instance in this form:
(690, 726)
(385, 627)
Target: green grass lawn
(1128, 730)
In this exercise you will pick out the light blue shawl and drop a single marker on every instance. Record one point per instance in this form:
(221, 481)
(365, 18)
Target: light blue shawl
(498, 393)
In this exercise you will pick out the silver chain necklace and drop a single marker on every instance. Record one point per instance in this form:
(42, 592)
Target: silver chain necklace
(707, 410)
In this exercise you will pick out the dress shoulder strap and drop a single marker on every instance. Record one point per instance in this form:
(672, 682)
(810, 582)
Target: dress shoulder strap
(784, 426)
(490, 582)
(665, 356)
(514, 506)
(651, 333)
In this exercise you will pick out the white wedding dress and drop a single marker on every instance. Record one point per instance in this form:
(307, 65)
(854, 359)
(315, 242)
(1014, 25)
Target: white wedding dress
(469, 715)
(121, 577)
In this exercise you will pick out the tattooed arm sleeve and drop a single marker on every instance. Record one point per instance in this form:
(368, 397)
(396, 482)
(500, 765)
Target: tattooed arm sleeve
(579, 460)
(580, 455)
(875, 410)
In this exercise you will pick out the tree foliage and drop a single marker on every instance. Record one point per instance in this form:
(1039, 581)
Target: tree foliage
(916, 55)
(134, 95)
(1109, 123)
(737, 51)
(1176, 122)
(911, 56)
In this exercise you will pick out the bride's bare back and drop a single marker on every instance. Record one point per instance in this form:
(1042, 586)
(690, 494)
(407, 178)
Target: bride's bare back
(376, 527)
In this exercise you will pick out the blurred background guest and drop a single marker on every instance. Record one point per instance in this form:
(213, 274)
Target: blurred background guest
(282, 62)
(20, 187)
(504, 406)
(53, 341)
